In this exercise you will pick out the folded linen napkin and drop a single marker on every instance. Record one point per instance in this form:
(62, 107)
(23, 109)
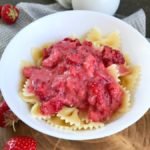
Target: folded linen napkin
(33, 11)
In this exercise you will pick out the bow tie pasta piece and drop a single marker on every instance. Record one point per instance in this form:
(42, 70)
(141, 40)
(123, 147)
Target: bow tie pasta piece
(88, 126)
(25, 91)
(35, 111)
(94, 35)
(112, 40)
(84, 116)
(26, 95)
(130, 81)
(70, 115)
(113, 70)
(37, 53)
(126, 102)
(58, 123)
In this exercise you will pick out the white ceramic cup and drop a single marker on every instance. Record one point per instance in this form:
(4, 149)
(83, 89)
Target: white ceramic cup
(103, 6)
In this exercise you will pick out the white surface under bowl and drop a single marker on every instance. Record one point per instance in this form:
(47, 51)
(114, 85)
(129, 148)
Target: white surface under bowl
(56, 27)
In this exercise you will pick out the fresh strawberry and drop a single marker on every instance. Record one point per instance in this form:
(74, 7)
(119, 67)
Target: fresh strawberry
(20, 143)
(7, 118)
(9, 13)
(0, 10)
(3, 109)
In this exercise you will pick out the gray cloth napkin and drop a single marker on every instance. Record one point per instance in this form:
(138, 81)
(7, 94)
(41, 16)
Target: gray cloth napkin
(31, 11)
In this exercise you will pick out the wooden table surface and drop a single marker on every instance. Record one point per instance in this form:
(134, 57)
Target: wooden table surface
(136, 137)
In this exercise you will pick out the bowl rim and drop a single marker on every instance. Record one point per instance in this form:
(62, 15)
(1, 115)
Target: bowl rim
(73, 136)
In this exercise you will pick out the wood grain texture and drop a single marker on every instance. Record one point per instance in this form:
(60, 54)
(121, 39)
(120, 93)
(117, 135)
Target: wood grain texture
(136, 137)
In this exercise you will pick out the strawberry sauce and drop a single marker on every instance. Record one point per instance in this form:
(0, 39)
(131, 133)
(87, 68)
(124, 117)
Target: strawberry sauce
(75, 74)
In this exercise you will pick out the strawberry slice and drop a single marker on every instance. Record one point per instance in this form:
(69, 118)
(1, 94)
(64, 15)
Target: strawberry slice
(9, 13)
(20, 143)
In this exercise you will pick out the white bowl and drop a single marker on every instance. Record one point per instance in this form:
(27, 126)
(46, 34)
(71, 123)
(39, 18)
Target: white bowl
(56, 27)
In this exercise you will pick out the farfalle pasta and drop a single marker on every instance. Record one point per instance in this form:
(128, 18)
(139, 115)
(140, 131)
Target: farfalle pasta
(27, 96)
(114, 71)
(25, 92)
(95, 36)
(35, 111)
(112, 40)
(88, 126)
(130, 81)
(80, 83)
(70, 115)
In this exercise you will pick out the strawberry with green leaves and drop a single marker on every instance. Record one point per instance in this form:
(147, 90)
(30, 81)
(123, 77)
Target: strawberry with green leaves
(9, 13)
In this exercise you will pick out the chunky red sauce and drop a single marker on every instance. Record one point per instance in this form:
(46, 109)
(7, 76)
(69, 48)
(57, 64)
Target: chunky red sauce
(74, 74)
